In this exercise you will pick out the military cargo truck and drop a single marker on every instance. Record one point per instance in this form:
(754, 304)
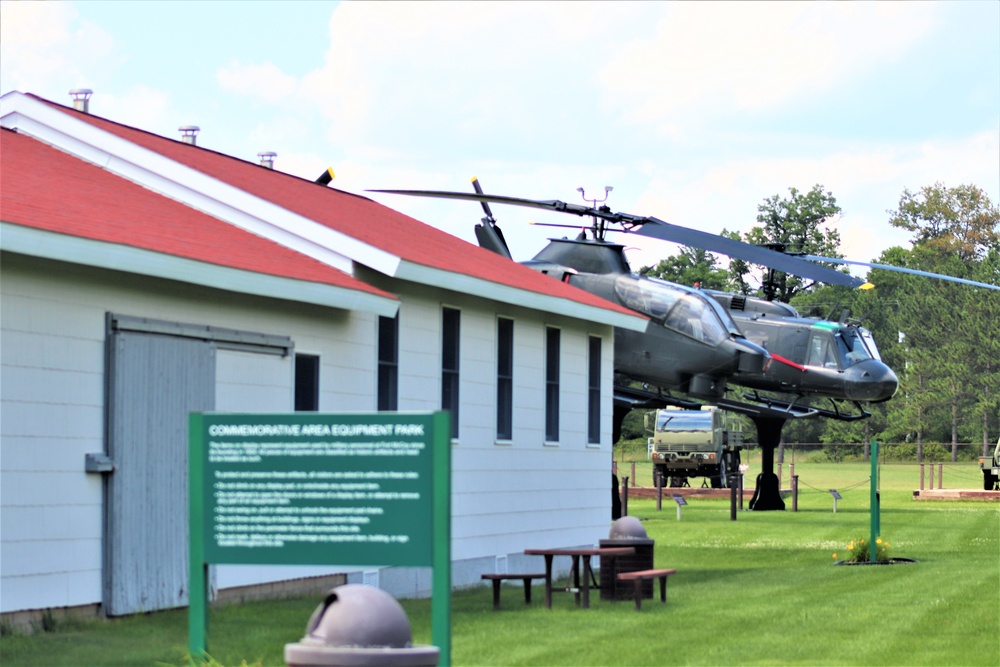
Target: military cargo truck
(694, 443)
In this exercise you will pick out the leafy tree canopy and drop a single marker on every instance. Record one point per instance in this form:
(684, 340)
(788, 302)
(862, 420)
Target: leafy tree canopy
(694, 266)
(960, 220)
(798, 223)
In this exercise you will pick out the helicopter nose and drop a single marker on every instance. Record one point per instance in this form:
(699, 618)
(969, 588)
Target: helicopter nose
(871, 380)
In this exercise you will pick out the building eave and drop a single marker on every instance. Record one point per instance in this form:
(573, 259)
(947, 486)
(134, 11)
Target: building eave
(487, 289)
(89, 252)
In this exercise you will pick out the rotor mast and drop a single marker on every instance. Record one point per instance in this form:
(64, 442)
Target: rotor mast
(598, 225)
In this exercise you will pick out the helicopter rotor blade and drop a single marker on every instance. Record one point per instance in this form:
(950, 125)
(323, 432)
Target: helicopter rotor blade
(549, 205)
(486, 207)
(751, 253)
(889, 267)
(552, 224)
(665, 231)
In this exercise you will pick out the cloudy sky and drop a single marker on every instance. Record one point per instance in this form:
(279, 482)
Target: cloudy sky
(693, 112)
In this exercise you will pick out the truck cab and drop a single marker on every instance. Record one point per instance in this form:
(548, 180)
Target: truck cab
(694, 443)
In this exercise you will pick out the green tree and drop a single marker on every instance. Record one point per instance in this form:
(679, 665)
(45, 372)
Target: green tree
(960, 220)
(940, 337)
(985, 356)
(956, 231)
(798, 223)
(693, 266)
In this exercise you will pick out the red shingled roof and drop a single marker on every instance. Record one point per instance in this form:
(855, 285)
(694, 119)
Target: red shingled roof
(48, 189)
(353, 215)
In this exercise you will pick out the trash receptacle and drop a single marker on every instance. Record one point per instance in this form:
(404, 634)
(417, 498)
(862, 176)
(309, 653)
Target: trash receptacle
(359, 625)
(626, 532)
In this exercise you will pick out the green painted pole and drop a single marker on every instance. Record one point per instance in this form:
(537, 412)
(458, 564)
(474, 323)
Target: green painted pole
(441, 584)
(198, 568)
(878, 501)
(874, 510)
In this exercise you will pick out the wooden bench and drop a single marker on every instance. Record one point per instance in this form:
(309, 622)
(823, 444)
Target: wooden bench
(498, 579)
(644, 575)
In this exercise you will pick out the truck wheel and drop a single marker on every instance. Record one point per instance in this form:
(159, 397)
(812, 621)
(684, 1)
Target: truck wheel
(989, 481)
(719, 480)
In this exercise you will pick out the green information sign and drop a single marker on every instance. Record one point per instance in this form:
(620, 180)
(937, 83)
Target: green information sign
(320, 489)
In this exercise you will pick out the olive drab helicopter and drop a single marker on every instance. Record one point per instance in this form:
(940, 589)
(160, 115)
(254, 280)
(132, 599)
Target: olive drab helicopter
(821, 358)
(698, 342)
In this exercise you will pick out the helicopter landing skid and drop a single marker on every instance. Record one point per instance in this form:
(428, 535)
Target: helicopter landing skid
(775, 407)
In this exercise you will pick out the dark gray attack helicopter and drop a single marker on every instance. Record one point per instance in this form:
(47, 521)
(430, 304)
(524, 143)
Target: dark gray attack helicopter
(692, 345)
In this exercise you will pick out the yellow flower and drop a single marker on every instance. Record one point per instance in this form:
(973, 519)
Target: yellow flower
(850, 546)
(878, 540)
(834, 556)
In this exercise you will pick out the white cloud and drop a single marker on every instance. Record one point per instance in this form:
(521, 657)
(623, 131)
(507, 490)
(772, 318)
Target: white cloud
(751, 55)
(414, 73)
(265, 81)
(45, 48)
(143, 107)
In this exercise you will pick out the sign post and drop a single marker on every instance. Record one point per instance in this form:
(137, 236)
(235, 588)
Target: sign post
(681, 502)
(320, 489)
(836, 496)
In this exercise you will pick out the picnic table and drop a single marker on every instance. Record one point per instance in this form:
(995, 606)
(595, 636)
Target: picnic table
(584, 554)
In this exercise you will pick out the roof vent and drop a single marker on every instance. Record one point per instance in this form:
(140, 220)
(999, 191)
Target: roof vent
(81, 99)
(189, 133)
(267, 158)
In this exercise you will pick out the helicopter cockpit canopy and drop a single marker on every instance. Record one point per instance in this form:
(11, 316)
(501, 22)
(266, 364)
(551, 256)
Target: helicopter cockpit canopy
(869, 342)
(840, 347)
(855, 346)
(677, 307)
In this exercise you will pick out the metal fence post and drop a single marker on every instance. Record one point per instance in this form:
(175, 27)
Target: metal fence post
(625, 496)
(739, 480)
(658, 480)
(732, 496)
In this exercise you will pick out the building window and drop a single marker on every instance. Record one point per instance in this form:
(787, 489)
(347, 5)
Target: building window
(306, 383)
(552, 384)
(450, 330)
(505, 379)
(594, 392)
(388, 363)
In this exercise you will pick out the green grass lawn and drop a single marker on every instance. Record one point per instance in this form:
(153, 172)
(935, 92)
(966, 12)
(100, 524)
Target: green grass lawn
(762, 590)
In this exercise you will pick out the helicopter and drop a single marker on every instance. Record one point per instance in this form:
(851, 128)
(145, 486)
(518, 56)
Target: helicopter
(703, 338)
(698, 341)
(820, 358)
